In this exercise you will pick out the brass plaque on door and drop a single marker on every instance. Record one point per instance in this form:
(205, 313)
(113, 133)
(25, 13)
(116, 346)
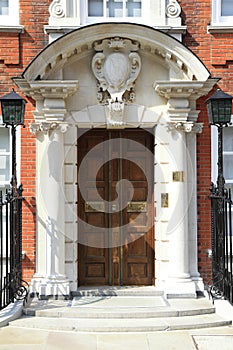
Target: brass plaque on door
(134, 207)
(91, 207)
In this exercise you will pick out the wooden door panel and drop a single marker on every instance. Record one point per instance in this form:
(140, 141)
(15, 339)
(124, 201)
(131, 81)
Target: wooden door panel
(93, 257)
(128, 233)
(139, 252)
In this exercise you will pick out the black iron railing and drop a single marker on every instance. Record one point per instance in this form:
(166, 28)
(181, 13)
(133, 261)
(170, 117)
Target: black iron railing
(221, 229)
(12, 287)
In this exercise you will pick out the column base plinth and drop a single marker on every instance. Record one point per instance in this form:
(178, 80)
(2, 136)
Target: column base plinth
(45, 286)
(180, 288)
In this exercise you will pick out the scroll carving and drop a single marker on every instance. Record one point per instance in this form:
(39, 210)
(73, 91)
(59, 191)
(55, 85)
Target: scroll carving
(173, 9)
(56, 9)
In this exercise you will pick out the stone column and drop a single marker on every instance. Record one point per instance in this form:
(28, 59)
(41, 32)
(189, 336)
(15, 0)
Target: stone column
(50, 276)
(179, 281)
(192, 207)
(183, 276)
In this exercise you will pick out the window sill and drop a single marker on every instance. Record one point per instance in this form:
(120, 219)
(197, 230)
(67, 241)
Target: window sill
(65, 29)
(11, 29)
(59, 29)
(219, 28)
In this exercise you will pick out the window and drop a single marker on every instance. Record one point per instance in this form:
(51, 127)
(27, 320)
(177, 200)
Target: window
(227, 8)
(9, 12)
(228, 156)
(222, 12)
(113, 10)
(5, 154)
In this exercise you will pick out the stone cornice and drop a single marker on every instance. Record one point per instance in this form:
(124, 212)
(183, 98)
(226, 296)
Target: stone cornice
(183, 89)
(11, 29)
(219, 29)
(41, 89)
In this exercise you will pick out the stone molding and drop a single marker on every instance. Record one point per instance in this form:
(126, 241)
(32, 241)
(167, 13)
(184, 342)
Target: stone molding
(51, 96)
(187, 127)
(183, 88)
(181, 99)
(41, 89)
(47, 127)
(152, 42)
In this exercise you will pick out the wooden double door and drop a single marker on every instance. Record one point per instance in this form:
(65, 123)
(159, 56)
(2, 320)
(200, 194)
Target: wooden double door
(115, 207)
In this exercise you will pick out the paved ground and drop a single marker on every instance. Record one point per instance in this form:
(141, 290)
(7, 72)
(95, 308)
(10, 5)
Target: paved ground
(216, 339)
(219, 338)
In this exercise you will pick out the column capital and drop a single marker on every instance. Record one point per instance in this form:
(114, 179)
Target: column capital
(46, 127)
(187, 127)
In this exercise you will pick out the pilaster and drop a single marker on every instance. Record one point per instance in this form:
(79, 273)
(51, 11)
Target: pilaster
(49, 127)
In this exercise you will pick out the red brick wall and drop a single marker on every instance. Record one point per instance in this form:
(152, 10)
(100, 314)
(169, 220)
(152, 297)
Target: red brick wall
(216, 52)
(16, 52)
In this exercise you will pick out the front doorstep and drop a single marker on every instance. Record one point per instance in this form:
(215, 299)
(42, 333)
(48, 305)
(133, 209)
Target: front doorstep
(50, 286)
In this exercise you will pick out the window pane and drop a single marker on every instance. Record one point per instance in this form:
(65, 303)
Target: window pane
(4, 168)
(228, 139)
(95, 8)
(4, 7)
(133, 8)
(115, 8)
(227, 8)
(4, 140)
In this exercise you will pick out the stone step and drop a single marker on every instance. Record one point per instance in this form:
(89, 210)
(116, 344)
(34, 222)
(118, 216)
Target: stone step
(121, 313)
(125, 307)
(120, 324)
(121, 307)
(118, 291)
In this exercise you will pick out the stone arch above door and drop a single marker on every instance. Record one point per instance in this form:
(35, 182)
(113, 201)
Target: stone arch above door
(61, 80)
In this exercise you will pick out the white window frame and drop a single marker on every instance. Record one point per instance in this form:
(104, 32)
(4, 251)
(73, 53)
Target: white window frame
(12, 19)
(7, 154)
(214, 153)
(217, 18)
(85, 19)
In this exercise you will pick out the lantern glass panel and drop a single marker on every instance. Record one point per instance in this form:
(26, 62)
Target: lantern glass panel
(13, 111)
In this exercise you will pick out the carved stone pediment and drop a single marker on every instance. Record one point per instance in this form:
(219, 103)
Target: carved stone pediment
(116, 66)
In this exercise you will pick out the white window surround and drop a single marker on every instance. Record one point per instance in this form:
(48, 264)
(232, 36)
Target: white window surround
(226, 153)
(6, 155)
(66, 15)
(220, 22)
(9, 16)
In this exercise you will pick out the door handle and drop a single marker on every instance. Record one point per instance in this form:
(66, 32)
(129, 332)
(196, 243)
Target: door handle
(114, 207)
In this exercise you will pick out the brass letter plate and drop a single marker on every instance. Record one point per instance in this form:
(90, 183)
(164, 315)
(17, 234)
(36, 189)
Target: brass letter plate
(178, 176)
(134, 207)
(91, 207)
(164, 200)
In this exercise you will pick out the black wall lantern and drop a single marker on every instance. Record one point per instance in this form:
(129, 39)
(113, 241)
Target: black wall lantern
(13, 108)
(219, 107)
